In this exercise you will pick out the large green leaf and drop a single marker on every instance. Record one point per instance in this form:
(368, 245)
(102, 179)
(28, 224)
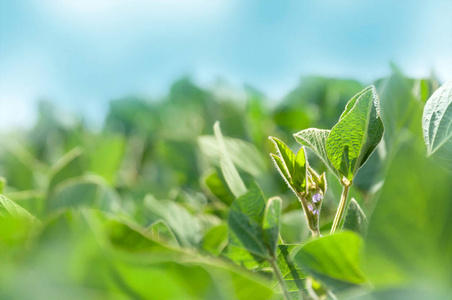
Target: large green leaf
(409, 240)
(358, 132)
(179, 274)
(437, 122)
(333, 258)
(230, 173)
(315, 139)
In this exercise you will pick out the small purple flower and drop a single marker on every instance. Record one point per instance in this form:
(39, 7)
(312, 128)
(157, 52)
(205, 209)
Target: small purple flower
(310, 207)
(315, 212)
(317, 197)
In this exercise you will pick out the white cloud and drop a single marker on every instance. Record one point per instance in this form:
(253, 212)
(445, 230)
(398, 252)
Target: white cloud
(123, 15)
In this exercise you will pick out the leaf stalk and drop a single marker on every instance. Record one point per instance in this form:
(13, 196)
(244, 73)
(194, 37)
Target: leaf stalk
(341, 208)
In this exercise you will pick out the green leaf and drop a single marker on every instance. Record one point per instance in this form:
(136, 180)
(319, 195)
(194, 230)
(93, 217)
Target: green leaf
(70, 165)
(301, 170)
(160, 231)
(333, 257)
(271, 223)
(245, 226)
(185, 280)
(185, 226)
(315, 139)
(437, 122)
(293, 275)
(19, 166)
(2, 184)
(86, 191)
(293, 168)
(355, 219)
(399, 106)
(150, 270)
(228, 169)
(17, 226)
(130, 237)
(216, 239)
(244, 155)
(353, 139)
(351, 103)
(279, 164)
(286, 155)
(33, 201)
(105, 156)
(9, 209)
(409, 241)
(219, 188)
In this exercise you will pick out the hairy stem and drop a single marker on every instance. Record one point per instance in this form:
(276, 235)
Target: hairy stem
(312, 224)
(341, 209)
(280, 278)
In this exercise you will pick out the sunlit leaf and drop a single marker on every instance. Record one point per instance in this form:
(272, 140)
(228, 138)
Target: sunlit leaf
(244, 155)
(9, 209)
(228, 169)
(216, 239)
(293, 168)
(333, 259)
(315, 139)
(353, 139)
(409, 242)
(219, 188)
(185, 226)
(437, 123)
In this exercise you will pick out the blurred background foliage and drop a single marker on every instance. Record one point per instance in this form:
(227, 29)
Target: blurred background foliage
(138, 209)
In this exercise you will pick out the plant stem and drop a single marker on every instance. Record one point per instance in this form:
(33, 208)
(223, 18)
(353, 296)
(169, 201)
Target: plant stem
(312, 225)
(341, 209)
(280, 278)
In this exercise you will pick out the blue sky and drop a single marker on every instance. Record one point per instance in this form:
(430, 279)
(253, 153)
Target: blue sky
(83, 53)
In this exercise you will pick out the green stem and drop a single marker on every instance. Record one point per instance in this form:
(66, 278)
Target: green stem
(280, 278)
(312, 225)
(341, 209)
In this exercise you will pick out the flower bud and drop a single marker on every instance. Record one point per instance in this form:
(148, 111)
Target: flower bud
(317, 197)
